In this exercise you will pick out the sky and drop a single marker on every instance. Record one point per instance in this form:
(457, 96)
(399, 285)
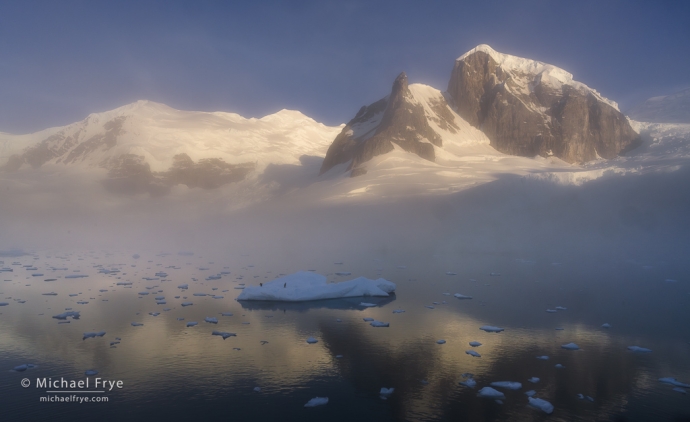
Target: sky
(60, 61)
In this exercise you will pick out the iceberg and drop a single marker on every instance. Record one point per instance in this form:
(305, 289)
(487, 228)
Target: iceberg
(490, 393)
(317, 401)
(541, 404)
(511, 385)
(305, 286)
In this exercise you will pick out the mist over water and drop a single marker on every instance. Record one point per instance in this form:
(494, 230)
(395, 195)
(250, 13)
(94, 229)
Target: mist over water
(603, 250)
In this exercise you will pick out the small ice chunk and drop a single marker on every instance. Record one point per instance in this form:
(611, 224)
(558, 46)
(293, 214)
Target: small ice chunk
(24, 367)
(257, 389)
(187, 304)
(543, 357)
(674, 382)
(223, 334)
(570, 346)
(490, 393)
(93, 334)
(470, 382)
(429, 306)
(137, 324)
(312, 340)
(143, 293)
(491, 329)
(386, 391)
(398, 311)
(338, 356)
(368, 319)
(317, 401)
(560, 308)
(192, 323)
(473, 353)
(541, 404)
(379, 324)
(581, 396)
(511, 385)
(606, 325)
(475, 344)
(680, 390)
(451, 273)
(198, 294)
(211, 320)
(154, 313)
(559, 366)
(459, 296)
(533, 380)
(530, 393)
(4, 303)
(343, 273)
(367, 305)
(441, 341)
(226, 313)
(183, 286)
(551, 311)
(638, 349)
(90, 372)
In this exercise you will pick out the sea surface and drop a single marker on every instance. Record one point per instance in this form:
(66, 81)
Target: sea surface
(173, 372)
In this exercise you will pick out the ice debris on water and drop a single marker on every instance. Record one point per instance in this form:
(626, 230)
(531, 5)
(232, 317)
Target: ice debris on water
(606, 325)
(559, 366)
(491, 329)
(192, 323)
(65, 315)
(90, 372)
(93, 334)
(187, 304)
(441, 341)
(511, 385)
(317, 401)
(475, 344)
(24, 367)
(674, 382)
(541, 404)
(367, 319)
(223, 334)
(638, 349)
(312, 340)
(137, 324)
(398, 311)
(473, 353)
(367, 305)
(570, 346)
(530, 393)
(533, 380)
(459, 296)
(257, 389)
(543, 357)
(386, 392)
(470, 382)
(226, 313)
(211, 320)
(379, 324)
(490, 393)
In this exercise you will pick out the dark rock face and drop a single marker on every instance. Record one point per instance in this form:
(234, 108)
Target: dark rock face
(523, 115)
(395, 119)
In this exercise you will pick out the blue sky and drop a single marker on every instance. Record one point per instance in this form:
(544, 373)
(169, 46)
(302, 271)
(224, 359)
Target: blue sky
(60, 61)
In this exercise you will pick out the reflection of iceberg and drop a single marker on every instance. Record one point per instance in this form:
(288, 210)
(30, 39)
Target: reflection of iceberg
(342, 304)
(306, 286)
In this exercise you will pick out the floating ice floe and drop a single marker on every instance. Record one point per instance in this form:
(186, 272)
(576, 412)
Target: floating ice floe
(398, 311)
(4, 303)
(533, 380)
(473, 353)
(459, 296)
(559, 366)
(674, 382)
(257, 389)
(223, 334)
(386, 391)
(211, 320)
(560, 308)
(451, 273)
(159, 297)
(68, 314)
(491, 329)
(680, 390)
(367, 319)
(543, 357)
(379, 324)
(367, 305)
(317, 401)
(49, 294)
(24, 367)
(183, 286)
(511, 385)
(429, 306)
(199, 294)
(338, 356)
(93, 334)
(638, 349)
(143, 293)
(470, 382)
(187, 304)
(137, 324)
(305, 286)
(570, 346)
(541, 404)
(343, 273)
(475, 344)
(441, 341)
(312, 340)
(226, 313)
(606, 325)
(154, 313)
(490, 393)
(192, 323)
(76, 276)
(530, 393)
(90, 372)
(551, 311)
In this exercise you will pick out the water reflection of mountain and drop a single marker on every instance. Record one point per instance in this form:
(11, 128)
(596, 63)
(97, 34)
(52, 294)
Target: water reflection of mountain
(348, 303)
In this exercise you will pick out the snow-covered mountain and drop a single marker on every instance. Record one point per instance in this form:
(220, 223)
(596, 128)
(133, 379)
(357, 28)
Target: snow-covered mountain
(519, 106)
(146, 144)
(673, 108)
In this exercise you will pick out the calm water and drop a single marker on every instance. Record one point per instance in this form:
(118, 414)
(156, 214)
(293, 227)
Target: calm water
(173, 372)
